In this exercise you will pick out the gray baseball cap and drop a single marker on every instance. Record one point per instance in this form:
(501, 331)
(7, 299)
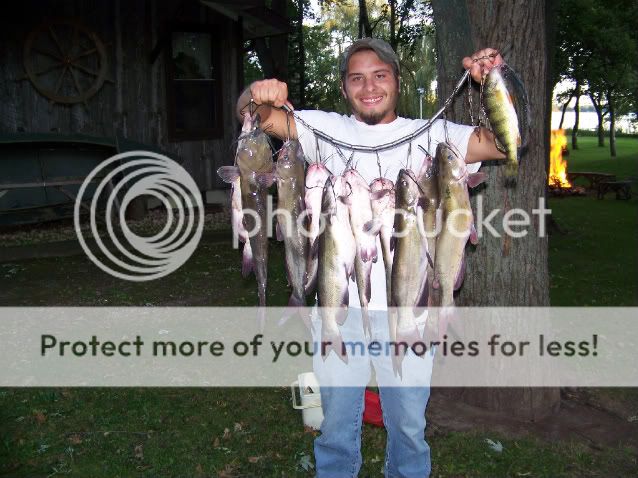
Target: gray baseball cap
(380, 47)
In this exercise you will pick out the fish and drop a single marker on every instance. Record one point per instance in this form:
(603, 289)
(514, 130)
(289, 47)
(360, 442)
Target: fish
(429, 186)
(316, 176)
(230, 175)
(507, 107)
(457, 228)
(360, 211)
(383, 197)
(290, 177)
(409, 267)
(255, 167)
(337, 252)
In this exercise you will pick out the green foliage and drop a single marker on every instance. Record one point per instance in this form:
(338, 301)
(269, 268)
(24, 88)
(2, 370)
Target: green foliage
(323, 90)
(597, 47)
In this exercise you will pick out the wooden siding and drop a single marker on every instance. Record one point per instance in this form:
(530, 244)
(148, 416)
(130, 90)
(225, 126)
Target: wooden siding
(135, 105)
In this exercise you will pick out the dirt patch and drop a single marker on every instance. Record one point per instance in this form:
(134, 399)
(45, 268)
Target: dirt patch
(580, 418)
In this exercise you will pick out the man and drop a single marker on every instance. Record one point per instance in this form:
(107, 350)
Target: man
(370, 84)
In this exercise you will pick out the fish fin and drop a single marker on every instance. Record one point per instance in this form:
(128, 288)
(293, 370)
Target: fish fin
(295, 301)
(365, 320)
(511, 171)
(422, 300)
(265, 179)
(333, 342)
(349, 273)
(410, 336)
(438, 322)
(372, 227)
(369, 253)
(342, 314)
(228, 174)
(345, 200)
(280, 235)
(429, 257)
(435, 282)
(473, 235)
(499, 145)
(247, 262)
(475, 179)
(379, 194)
(460, 274)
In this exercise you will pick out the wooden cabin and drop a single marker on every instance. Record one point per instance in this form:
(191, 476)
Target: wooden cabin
(162, 73)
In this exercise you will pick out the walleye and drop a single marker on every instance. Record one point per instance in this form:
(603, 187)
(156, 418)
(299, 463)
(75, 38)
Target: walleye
(409, 267)
(360, 212)
(382, 196)
(316, 177)
(291, 227)
(256, 174)
(429, 186)
(337, 251)
(458, 222)
(507, 109)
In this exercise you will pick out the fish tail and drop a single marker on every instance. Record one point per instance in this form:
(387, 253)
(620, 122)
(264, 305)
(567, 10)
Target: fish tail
(247, 263)
(296, 301)
(333, 342)
(365, 318)
(511, 168)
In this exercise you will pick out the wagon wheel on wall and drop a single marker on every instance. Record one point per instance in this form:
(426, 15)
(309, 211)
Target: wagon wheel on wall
(65, 61)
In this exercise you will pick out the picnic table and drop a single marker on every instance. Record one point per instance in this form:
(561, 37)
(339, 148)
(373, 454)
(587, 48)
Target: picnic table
(41, 173)
(593, 177)
(621, 188)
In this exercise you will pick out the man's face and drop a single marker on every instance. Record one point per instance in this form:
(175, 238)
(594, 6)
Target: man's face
(371, 88)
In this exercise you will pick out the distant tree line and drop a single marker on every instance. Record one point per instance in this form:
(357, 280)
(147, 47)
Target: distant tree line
(596, 49)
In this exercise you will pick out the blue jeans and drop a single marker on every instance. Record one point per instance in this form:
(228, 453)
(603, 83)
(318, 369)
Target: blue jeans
(403, 400)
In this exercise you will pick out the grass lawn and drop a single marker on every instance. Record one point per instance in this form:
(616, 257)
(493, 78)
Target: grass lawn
(243, 432)
(596, 262)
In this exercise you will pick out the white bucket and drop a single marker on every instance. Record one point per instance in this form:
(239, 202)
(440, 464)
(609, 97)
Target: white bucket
(310, 399)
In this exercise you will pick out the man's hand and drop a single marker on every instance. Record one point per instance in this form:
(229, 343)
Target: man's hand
(481, 62)
(269, 95)
(270, 92)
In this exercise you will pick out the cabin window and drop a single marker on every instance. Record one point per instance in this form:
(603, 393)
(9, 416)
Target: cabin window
(193, 86)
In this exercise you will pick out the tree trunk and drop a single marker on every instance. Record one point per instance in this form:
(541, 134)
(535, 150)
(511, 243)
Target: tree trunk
(273, 55)
(562, 115)
(393, 15)
(302, 56)
(504, 271)
(612, 124)
(576, 117)
(364, 21)
(453, 40)
(599, 113)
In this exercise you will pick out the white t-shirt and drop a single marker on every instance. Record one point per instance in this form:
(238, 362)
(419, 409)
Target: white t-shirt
(350, 130)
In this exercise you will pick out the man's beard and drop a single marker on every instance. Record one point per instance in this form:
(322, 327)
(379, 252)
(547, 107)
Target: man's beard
(371, 118)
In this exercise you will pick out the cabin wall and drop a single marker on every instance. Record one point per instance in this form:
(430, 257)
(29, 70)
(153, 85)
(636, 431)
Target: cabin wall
(135, 104)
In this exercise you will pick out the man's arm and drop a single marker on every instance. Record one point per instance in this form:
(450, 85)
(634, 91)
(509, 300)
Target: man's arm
(269, 95)
(482, 148)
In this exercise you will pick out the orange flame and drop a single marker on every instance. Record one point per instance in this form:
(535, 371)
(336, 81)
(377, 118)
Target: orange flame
(557, 165)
